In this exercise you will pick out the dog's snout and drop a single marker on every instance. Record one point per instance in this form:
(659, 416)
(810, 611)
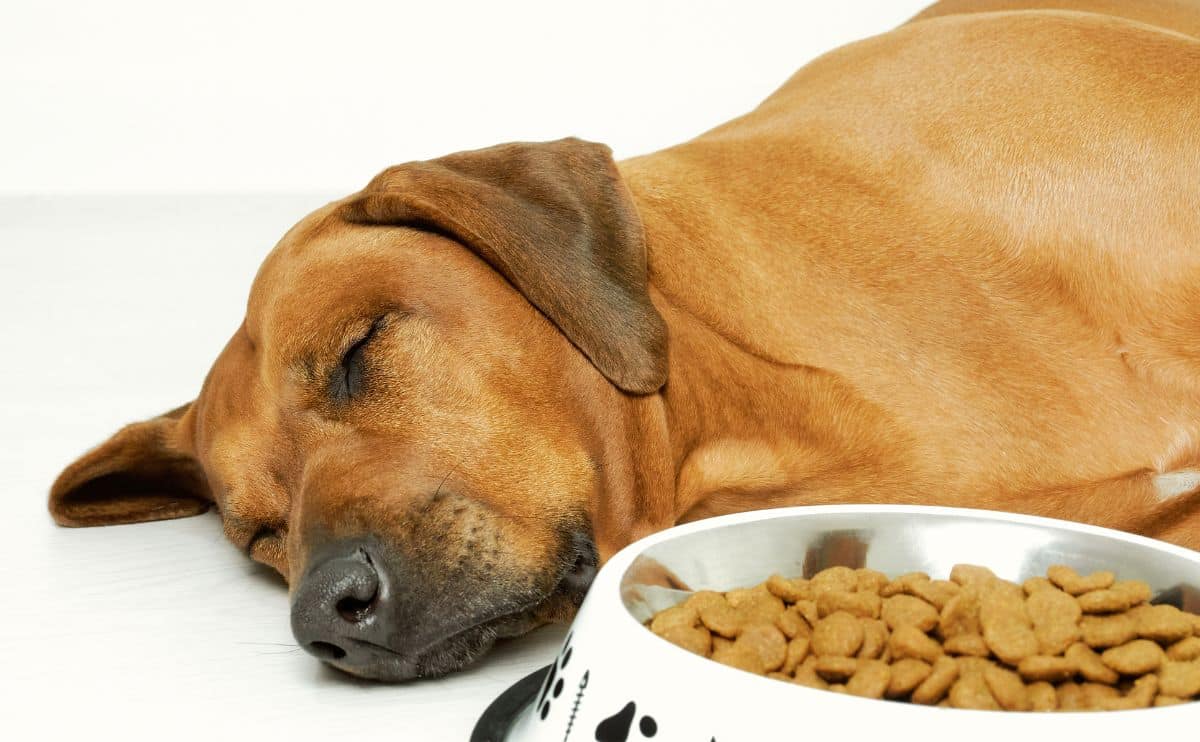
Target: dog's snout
(336, 605)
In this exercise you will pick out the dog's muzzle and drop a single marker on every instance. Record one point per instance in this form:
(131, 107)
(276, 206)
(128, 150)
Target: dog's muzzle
(363, 610)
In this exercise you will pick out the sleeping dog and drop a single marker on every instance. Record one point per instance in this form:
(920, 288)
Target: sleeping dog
(952, 264)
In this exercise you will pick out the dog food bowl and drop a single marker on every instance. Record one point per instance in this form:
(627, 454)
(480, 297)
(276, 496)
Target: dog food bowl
(614, 681)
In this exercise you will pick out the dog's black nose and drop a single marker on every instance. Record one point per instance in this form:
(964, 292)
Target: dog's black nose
(336, 606)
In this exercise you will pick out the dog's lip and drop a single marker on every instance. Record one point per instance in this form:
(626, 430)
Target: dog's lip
(467, 639)
(477, 625)
(575, 578)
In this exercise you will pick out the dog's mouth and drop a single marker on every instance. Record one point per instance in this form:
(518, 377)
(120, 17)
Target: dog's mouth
(459, 647)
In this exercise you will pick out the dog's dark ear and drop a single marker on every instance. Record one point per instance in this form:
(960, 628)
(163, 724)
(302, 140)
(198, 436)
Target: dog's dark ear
(139, 474)
(557, 221)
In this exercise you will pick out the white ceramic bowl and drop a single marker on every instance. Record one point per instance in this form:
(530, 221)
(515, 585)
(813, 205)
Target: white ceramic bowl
(614, 681)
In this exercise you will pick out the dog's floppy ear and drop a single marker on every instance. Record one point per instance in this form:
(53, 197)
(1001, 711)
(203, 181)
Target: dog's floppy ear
(557, 221)
(139, 474)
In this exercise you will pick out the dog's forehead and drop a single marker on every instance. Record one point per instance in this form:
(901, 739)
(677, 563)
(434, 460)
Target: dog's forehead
(326, 270)
(327, 279)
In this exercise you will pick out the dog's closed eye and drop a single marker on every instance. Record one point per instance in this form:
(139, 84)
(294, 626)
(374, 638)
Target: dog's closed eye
(346, 382)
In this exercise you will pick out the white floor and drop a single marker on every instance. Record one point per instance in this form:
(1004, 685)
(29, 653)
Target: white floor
(112, 309)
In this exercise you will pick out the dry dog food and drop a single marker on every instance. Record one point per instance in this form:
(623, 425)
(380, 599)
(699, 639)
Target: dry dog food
(1065, 641)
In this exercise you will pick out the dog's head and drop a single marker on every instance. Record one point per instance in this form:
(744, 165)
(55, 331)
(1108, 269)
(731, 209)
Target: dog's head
(410, 424)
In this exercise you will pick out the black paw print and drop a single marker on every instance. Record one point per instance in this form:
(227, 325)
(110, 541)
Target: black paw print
(616, 728)
(553, 687)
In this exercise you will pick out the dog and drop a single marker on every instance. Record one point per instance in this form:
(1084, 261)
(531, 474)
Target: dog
(954, 264)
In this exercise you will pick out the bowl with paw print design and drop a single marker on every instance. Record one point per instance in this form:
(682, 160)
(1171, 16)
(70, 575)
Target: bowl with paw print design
(614, 680)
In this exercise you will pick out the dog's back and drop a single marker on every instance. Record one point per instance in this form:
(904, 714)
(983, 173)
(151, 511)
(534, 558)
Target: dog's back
(987, 225)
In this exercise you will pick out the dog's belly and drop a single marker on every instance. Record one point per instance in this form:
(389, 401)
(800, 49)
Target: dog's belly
(987, 230)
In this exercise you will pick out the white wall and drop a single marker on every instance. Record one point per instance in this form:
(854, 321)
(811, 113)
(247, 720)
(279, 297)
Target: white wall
(218, 95)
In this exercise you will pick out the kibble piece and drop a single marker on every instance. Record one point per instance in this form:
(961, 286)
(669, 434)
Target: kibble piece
(755, 605)
(869, 580)
(695, 639)
(875, 636)
(1089, 664)
(1007, 689)
(767, 641)
(1033, 584)
(861, 604)
(1072, 582)
(722, 618)
(939, 592)
(806, 674)
(1107, 631)
(792, 624)
(1042, 667)
(907, 674)
(684, 614)
(971, 691)
(905, 610)
(1135, 591)
(797, 652)
(901, 584)
(1179, 678)
(1162, 623)
(870, 679)
(909, 641)
(1140, 696)
(741, 657)
(1135, 658)
(1185, 649)
(1098, 696)
(969, 645)
(836, 669)
(838, 634)
(972, 574)
(1042, 696)
(833, 578)
(808, 611)
(1104, 601)
(960, 615)
(1162, 700)
(973, 665)
(934, 687)
(703, 598)
(1007, 628)
(789, 590)
(1055, 616)
(1070, 697)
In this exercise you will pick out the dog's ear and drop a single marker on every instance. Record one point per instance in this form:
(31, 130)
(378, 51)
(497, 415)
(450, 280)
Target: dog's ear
(557, 221)
(139, 474)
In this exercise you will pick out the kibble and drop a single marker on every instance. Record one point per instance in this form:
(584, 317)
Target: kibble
(1067, 641)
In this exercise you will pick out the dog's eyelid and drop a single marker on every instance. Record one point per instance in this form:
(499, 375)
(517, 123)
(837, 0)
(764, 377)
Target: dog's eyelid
(348, 376)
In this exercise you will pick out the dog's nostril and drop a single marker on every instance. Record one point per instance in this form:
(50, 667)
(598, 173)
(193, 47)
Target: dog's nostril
(354, 610)
(326, 651)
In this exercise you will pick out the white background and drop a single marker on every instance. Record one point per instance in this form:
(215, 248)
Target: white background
(190, 137)
(298, 96)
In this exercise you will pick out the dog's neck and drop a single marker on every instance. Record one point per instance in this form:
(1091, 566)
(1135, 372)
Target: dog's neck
(731, 427)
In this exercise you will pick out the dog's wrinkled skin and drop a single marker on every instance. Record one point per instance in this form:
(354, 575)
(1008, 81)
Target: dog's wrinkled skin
(954, 264)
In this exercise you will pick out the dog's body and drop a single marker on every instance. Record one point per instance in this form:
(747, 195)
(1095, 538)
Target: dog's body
(952, 264)
(979, 291)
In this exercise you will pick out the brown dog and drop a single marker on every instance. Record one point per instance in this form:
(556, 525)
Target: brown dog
(953, 264)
